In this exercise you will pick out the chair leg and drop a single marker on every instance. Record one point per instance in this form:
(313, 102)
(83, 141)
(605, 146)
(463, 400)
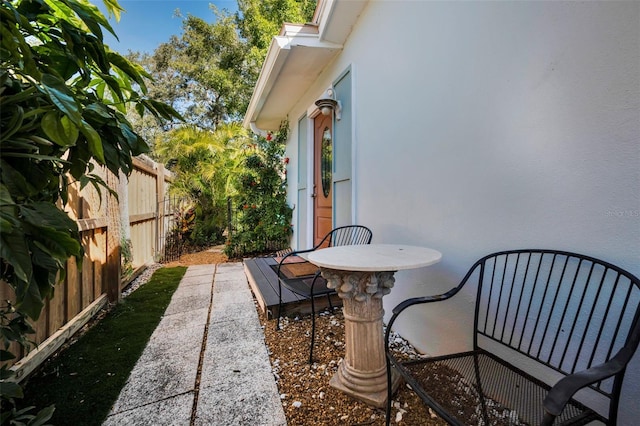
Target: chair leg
(476, 367)
(313, 328)
(329, 299)
(389, 393)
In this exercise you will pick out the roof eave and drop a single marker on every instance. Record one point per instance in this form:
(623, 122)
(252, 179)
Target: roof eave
(296, 58)
(291, 60)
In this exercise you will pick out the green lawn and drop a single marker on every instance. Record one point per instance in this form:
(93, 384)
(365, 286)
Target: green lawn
(84, 381)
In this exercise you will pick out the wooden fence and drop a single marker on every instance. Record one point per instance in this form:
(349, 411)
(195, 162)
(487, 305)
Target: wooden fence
(147, 190)
(88, 287)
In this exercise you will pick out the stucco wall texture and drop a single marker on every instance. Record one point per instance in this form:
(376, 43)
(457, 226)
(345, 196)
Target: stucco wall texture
(482, 126)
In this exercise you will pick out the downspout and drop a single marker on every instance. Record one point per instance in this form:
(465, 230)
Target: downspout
(255, 129)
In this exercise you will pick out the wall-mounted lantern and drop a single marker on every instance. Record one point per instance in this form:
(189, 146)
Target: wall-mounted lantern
(327, 103)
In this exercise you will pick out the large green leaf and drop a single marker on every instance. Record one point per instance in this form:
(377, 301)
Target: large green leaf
(58, 243)
(13, 125)
(43, 214)
(5, 355)
(14, 250)
(6, 224)
(15, 182)
(100, 112)
(134, 71)
(114, 85)
(88, 19)
(79, 158)
(5, 196)
(22, 97)
(59, 128)
(114, 9)
(29, 300)
(62, 97)
(131, 138)
(62, 10)
(43, 416)
(92, 17)
(94, 48)
(94, 140)
(10, 389)
(45, 259)
(8, 217)
(64, 65)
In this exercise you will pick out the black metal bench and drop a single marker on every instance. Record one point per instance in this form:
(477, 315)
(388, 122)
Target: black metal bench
(554, 332)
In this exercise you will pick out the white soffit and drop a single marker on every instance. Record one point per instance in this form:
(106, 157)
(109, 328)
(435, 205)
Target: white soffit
(295, 59)
(336, 18)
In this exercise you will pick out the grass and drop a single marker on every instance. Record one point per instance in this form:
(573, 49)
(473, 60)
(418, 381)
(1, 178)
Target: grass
(85, 380)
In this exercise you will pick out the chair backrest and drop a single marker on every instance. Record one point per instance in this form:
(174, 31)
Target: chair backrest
(565, 310)
(348, 235)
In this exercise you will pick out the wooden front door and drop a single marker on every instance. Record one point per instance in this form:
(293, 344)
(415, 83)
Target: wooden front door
(322, 180)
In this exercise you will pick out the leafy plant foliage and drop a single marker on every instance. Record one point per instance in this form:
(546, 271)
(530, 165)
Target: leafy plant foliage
(263, 217)
(208, 73)
(63, 96)
(205, 163)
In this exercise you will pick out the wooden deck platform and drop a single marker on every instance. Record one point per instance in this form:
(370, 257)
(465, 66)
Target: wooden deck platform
(264, 284)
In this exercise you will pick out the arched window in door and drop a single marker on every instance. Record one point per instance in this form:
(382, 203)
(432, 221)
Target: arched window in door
(326, 162)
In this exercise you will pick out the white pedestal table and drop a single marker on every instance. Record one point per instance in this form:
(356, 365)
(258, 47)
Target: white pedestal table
(362, 275)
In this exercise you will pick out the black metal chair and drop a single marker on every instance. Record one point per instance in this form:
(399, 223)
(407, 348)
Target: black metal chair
(547, 324)
(313, 285)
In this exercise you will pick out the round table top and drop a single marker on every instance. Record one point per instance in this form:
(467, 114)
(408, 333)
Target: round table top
(374, 257)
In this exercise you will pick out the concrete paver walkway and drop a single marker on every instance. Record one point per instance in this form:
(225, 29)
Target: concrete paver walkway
(206, 363)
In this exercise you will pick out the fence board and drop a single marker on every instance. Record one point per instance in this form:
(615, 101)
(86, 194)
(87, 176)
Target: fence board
(41, 325)
(86, 288)
(36, 357)
(86, 283)
(99, 261)
(57, 308)
(143, 211)
(89, 224)
(72, 289)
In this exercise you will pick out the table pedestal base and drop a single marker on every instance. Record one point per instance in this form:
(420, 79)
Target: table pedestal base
(362, 373)
(370, 390)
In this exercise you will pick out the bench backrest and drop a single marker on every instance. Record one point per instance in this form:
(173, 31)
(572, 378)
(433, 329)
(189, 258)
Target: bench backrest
(564, 310)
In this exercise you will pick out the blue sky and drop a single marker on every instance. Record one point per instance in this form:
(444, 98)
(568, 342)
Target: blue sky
(147, 23)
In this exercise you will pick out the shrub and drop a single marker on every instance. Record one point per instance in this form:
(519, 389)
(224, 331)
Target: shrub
(262, 215)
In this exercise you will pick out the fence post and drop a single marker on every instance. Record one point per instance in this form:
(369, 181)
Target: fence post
(113, 273)
(160, 209)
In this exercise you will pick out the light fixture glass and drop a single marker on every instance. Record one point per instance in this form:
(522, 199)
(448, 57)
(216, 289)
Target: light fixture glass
(327, 103)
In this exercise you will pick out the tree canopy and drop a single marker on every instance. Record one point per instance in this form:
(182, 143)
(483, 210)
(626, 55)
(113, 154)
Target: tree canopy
(258, 20)
(208, 71)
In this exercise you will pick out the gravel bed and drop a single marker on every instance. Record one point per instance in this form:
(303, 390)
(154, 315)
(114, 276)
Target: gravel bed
(141, 279)
(304, 388)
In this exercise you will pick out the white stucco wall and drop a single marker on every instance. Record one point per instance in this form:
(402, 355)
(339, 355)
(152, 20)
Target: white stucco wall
(483, 126)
